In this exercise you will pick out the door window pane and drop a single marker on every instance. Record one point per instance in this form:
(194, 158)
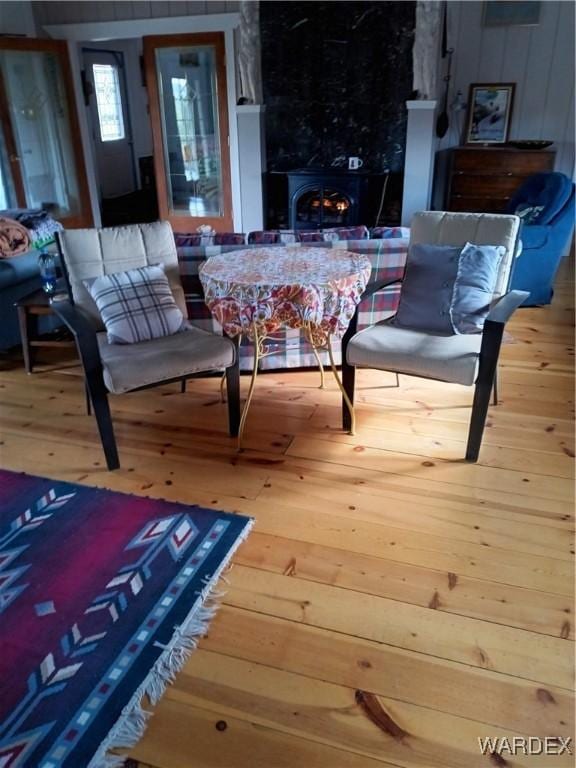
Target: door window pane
(189, 112)
(39, 115)
(7, 192)
(108, 101)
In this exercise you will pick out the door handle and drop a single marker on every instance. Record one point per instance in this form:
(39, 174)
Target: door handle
(14, 158)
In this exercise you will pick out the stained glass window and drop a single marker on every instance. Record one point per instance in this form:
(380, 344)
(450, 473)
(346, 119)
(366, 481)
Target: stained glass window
(109, 101)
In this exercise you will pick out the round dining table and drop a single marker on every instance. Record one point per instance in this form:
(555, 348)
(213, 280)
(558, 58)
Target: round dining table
(257, 292)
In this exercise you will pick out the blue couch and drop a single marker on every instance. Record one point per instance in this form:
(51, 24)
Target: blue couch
(545, 202)
(18, 277)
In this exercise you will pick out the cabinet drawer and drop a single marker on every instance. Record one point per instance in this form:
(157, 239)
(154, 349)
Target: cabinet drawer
(501, 161)
(485, 186)
(477, 204)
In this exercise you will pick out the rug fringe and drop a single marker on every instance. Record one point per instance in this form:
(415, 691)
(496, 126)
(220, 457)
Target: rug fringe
(132, 723)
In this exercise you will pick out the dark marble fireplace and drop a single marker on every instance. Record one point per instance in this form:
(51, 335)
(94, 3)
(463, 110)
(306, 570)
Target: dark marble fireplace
(336, 76)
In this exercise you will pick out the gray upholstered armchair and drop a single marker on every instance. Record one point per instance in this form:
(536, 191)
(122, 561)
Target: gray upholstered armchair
(460, 359)
(119, 368)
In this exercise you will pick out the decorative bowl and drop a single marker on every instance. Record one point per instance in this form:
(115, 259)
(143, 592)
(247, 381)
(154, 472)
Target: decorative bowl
(530, 144)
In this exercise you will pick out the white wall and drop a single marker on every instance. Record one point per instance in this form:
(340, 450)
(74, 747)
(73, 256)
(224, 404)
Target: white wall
(85, 10)
(251, 138)
(539, 59)
(419, 162)
(17, 18)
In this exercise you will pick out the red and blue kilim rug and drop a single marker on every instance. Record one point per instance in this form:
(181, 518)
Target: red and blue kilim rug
(102, 598)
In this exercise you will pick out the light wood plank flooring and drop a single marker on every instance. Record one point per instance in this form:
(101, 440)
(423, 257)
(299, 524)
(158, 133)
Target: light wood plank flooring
(393, 603)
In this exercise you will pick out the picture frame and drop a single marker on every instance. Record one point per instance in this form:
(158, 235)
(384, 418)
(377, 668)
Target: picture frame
(505, 13)
(489, 113)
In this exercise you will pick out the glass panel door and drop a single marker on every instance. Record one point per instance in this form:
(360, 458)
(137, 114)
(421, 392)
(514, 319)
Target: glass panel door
(187, 86)
(40, 135)
(9, 198)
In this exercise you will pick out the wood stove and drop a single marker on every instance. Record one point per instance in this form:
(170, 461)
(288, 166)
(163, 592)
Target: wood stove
(328, 197)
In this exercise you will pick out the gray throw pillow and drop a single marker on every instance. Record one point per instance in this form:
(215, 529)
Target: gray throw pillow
(448, 290)
(136, 305)
(427, 288)
(474, 286)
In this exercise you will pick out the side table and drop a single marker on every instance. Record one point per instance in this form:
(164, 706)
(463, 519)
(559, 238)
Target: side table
(263, 290)
(30, 308)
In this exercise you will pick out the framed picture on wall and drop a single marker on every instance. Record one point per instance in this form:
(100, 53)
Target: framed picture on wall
(489, 113)
(504, 13)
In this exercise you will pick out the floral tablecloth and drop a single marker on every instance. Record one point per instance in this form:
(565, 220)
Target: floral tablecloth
(272, 288)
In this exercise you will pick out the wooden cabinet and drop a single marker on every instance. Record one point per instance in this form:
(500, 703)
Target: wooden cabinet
(485, 178)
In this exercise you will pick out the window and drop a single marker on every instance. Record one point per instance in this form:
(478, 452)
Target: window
(4, 190)
(108, 101)
(184, 101)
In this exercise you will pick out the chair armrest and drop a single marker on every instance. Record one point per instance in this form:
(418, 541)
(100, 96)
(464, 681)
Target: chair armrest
(376, 286)
(370, 290)
(506, 305)
(81, 327)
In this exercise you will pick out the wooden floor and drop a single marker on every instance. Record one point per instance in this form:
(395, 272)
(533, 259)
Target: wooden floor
(393, 603)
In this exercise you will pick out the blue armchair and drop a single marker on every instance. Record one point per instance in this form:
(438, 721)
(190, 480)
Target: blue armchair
(545, 203)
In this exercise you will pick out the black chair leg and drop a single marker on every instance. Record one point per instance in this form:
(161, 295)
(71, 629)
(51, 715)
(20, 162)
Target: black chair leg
(348, 382)
(348, 373)
(99, 397)
(491, 341)
(183, 386)
(495, 389)
(233, 393)
(480, 405)
(88, 403)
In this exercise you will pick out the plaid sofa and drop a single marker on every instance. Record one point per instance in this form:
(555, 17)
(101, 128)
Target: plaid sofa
(388, 257)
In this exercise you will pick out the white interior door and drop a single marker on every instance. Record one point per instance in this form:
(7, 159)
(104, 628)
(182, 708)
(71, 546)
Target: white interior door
(110, 123)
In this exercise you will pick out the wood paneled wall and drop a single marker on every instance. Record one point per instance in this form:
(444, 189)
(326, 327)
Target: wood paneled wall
(539, 59)
(78, 12)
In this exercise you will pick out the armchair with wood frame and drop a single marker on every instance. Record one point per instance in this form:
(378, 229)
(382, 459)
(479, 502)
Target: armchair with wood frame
(468, 359)
(121, 368)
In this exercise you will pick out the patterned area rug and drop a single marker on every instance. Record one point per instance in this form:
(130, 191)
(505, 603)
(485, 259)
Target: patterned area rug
(102, 598)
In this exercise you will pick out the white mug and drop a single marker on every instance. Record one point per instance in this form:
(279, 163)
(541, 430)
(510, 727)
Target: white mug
(354, 163)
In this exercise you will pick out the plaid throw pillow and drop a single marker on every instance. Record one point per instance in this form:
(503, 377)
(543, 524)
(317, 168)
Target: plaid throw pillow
(136, 305)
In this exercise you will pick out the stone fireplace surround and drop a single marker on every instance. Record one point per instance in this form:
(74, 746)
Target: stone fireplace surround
(335, 81)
